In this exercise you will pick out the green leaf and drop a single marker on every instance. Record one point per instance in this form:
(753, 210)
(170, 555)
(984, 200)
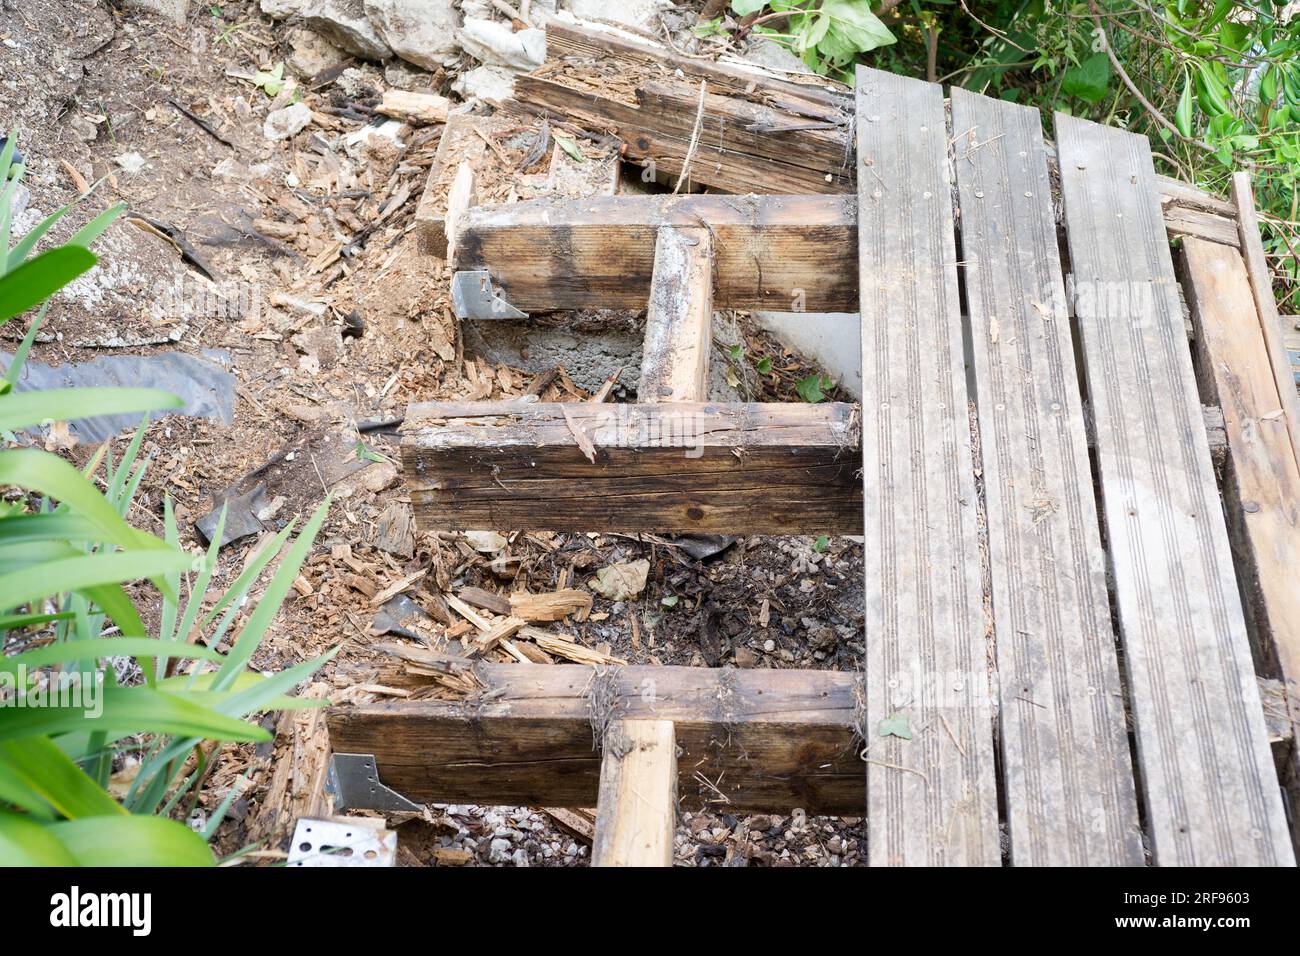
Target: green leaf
(135, 710)
(88, 571)
(270, 602)
(34, 470)
(810, 389)
(25, 842)
(41, 277)
(38, 765)
(1089, 80)
(895, 725)
(1211, 93)
(272, 82)
(91, 649)
(744, 8)
(821, 544)
(852, 29)
(92, 230)
(1183, 115)
(670, 601)
(764, 365)
(27, 409)
(570, 147)
(131, 841)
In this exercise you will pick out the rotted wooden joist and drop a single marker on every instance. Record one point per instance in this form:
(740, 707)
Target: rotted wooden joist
(747, 739)
(724, 467)
(787, 253)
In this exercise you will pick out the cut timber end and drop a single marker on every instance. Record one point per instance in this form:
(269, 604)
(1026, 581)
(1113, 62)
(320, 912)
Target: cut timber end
(770, 252)
(682, 466)
(679, 322)
(636, 813)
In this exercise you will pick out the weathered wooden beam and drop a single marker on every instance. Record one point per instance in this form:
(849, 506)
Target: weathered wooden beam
(747, 739)
(789, 253)
(636, 810)
(756, 128)
(1067, 776)
(931, 790)
(1261, 494)
(1210, 797)
(679, 320)
(759, 468)
(1261, 283)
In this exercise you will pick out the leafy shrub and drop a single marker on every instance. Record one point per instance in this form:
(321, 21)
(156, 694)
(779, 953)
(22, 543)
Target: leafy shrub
(65, 557)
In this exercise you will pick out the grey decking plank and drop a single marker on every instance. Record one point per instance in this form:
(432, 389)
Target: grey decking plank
(931, 799)
(1066, 771)
(1209, 786)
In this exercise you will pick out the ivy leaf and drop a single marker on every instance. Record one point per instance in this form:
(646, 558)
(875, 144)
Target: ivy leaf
(895, 725)
(1089, 80)
(810, 389)
(764, 365)
(272, 82)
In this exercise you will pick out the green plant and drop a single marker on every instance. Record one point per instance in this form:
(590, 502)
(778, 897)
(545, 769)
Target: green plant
(828, 35)
(66, 556)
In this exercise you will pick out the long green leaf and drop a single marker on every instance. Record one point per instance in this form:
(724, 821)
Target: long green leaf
(25, 346)
(61, 526)
(128, 710)
(27, 409)
(87, 571)
(25, 842)
(66, 652)
(132, 841)
(41, 277)
(269, 604)
(49, 475)
(43, 768)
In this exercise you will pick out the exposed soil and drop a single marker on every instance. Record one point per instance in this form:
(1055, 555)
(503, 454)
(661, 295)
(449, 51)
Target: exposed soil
(334, 323)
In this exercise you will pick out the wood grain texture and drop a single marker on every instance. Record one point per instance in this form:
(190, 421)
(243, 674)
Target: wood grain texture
(1067, 775)
(748, 739)
(1261, 283)
(636, 810)
(679, 320)
(930, 799)
(1262, 482)
(792, 137)
(1210, 790)
(770, 252)
(760, 468)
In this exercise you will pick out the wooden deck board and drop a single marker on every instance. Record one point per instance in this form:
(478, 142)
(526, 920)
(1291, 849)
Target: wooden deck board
(1210, 789)
(930, 799)
(1262, 481)
(1067, 773)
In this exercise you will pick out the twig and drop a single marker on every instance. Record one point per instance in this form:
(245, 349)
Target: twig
(1132, 87)
(202, 124)
(695, 141)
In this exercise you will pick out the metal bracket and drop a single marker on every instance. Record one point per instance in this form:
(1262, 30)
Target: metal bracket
(341, 843)
(472, 297)
(354, 781)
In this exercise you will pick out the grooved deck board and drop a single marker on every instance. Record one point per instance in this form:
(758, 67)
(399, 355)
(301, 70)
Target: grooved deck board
(931, 799)
(1209, 785)
(1066, 769)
